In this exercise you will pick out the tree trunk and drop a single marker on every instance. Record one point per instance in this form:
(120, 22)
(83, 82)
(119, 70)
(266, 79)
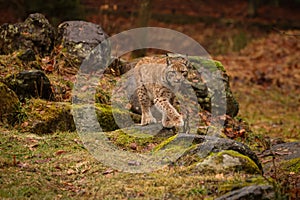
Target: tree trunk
(144, 16)
(252, 8)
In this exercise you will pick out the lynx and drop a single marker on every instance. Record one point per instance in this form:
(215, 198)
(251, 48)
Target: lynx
(157, 80)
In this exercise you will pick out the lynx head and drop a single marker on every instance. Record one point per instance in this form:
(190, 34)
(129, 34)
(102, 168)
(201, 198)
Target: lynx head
(176, 71)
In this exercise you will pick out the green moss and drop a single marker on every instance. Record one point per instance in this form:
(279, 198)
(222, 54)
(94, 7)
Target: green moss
(228, 161)
(234, 185)
(124, 139)
(248, 165)
(164, 143)
(48, 117)
(219, 65)
(105, 116)
(292, 165)
(200, 62)
(211, 65)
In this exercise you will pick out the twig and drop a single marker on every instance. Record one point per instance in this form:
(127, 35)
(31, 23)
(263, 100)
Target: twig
(284, 33)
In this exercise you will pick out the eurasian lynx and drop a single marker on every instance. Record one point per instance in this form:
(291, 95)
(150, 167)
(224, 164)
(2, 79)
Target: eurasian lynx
(158, 78)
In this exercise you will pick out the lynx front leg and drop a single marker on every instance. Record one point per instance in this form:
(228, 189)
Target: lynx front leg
(170, 116)
(145, 103)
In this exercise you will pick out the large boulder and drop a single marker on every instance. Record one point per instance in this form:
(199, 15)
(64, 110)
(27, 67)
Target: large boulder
(210, 82)
(79, 38)
(218, 155)
(8, 104)
(33, 36)
(28, 84)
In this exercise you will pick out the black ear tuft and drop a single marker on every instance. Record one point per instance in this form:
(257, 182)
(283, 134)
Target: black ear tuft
(187, 63)
(187, 60)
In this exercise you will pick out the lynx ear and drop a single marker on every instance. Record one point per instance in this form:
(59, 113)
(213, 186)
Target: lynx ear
(187, 62)
(168, 61)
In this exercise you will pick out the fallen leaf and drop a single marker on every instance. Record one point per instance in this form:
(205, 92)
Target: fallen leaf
(59, 152)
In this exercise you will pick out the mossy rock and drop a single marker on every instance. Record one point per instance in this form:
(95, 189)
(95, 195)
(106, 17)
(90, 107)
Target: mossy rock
(228, 161)
(105, 116)
(210, 149)
(47, 117)
(80, 37)
(35, 33)
(287, 156)
(223, 161)
(214, 70)
(9, 103)
(292, 165)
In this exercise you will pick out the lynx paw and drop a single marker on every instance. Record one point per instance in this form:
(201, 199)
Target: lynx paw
(148, 120)
(177, 122)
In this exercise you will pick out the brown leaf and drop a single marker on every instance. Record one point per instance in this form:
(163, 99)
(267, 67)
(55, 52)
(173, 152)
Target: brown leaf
(59, 152)
(24, 124)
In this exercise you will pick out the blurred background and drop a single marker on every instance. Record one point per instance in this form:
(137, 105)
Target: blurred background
(220, 26)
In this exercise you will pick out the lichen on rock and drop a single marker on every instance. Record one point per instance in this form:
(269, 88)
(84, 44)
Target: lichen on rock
(80, 37)
(35, 33)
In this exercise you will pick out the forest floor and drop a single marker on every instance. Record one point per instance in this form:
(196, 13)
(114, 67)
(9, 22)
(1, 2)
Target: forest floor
(261, 56)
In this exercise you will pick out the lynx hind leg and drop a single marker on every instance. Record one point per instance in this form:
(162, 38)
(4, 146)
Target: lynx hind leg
(145, 104)
(171, 117)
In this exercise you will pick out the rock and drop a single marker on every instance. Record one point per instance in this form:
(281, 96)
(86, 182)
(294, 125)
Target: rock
(290, 150)
(214, 154)
(27, 55)
(286, 155)
(9, 103)
(105, 116)
(28, 84)
(80, 37)
(204, 154)
(227, 161)
(35, 34)
(47, 117)
(207, 89)
(253, 192)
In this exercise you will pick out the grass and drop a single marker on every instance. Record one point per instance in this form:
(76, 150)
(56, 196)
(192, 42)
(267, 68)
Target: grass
(270, 112)
(58, 166)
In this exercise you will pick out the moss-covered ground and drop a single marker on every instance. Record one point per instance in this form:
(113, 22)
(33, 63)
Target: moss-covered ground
(57, 166)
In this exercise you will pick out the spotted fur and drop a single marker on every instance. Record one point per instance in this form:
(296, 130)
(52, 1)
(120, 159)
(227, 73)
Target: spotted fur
(158, 78)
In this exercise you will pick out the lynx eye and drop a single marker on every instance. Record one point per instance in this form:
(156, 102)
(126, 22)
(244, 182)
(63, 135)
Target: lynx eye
(184, 73)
